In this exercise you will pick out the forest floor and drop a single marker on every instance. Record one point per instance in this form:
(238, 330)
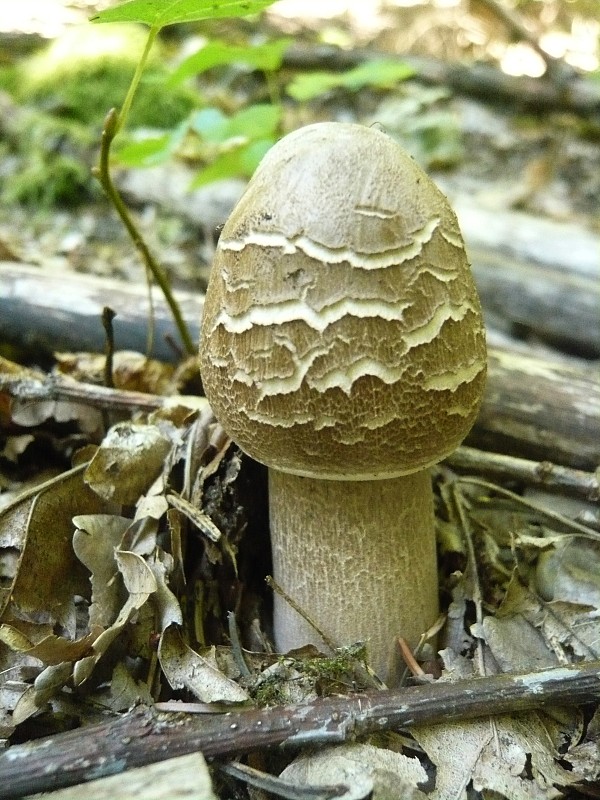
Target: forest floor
(177, 518)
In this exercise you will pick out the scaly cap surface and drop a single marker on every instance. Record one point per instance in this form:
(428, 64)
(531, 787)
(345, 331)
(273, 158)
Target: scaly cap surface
(342, 334)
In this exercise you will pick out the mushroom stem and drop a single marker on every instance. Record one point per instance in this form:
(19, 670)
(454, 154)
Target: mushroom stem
(359, 558)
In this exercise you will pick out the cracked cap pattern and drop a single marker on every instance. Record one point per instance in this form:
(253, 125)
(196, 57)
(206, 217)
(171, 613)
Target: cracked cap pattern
(342, 334)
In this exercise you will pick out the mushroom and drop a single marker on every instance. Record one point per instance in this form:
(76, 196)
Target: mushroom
(342, 345)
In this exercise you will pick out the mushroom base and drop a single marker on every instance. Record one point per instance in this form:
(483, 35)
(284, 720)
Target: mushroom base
(359, 558)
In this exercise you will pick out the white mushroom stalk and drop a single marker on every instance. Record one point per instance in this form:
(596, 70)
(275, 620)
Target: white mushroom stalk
(343, 346)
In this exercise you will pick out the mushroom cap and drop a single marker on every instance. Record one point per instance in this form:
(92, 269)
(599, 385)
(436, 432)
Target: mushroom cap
(342, 334)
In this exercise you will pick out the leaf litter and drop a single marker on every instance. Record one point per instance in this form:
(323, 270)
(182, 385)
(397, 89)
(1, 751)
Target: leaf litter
(117, 574)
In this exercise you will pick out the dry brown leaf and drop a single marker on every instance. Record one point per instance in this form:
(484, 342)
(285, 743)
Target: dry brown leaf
(515, 756)
(128, 461)
(184, 668)
(122, 581)
(35, 537)
(50, 649)
(15, 446)
(182, 778)
(517, 646)
(122, 692)
(567, 628)
(570, 571)
(495, 755)
(363, 768)
(95, 540)
(167, 608)
(30, 413)
(46, 685)
(131, 370)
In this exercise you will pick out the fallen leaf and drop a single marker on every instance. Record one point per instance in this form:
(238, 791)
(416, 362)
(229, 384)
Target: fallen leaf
(184, 668)
(364, 769)
(127, 462)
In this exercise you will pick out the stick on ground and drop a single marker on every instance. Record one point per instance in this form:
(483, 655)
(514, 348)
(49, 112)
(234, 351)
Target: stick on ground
(147, 736)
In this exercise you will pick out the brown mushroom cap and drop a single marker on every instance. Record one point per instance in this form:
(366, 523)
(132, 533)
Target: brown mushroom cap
(342, 334)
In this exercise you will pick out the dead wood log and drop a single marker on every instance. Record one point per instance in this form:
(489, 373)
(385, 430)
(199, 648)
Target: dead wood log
(535, 407)
(147, 736)
(546, 303)
(556, 303)
(539, 275)
(46, 312)
(485, 81)
(550, 477)
(541, 409)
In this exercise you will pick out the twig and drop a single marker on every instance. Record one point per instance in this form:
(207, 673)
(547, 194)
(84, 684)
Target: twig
(107, 319)
(108, 316)
(146, 736)
(58, 388)
(574, 528)
(236, 647)
(197, 517)
(552, 477)
(272, 584)
(280, 787)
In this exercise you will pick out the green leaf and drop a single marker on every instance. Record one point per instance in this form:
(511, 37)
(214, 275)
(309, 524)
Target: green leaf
(259, 121)
(380, 73)
(211, 124)
(266, 57)
(145, 153)
(158, 13)
(239, 161)
(152, 150)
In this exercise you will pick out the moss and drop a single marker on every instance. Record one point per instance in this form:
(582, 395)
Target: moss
(50, 163)
(72, 83)
(87, 71)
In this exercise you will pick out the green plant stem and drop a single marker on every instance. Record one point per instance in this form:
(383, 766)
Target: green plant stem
(102, 172)
(124, 112)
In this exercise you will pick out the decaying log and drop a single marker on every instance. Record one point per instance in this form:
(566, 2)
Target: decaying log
(534, 407)
(539, 274)
(556, 303)
(556, 307)
(50, 312)
(576, 94)
(554, 478)
(539, 408)
(147, 736)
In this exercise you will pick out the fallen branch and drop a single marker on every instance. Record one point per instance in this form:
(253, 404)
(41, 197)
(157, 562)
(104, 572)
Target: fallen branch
(541, 409)
(535, 408)
(147, 736)
(498, 466)
(580, 96)
(536, 273)
(46, 313)
(541, 474)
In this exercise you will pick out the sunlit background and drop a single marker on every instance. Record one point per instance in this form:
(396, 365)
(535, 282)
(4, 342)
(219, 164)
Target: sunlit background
(443, 28)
